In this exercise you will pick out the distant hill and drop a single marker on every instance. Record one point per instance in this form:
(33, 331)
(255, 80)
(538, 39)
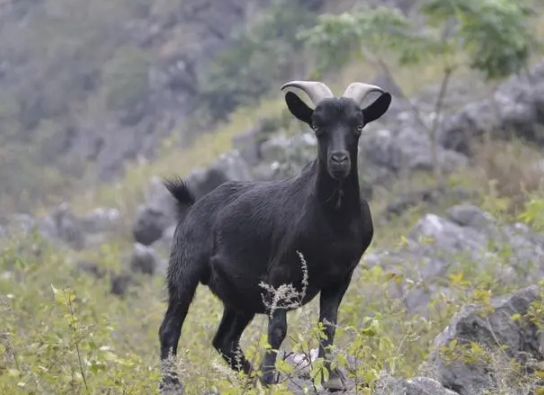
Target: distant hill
(86, 86)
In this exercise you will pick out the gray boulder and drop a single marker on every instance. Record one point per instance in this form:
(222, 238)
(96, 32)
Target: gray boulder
(437, 246)
(516, 109)
(155, 215)
(145, 260)
(405, 147)
(285, 156)
(499, 336)
(228, 167)
(62, 225)
(101, 220)
(159, 212)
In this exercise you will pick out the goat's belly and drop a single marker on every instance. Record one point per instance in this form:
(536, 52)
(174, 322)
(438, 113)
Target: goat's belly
(254, 294)
(236, 289)
(244, 285)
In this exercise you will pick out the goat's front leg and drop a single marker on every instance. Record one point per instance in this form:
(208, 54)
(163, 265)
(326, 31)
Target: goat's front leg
(330, 299)
(277, 330)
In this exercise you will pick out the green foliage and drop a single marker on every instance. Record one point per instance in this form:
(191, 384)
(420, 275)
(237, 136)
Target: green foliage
(261, 54)
(532, 213)
(362, 33)
(125, 77)
(58, 338)
(496, 34)
(63, 333)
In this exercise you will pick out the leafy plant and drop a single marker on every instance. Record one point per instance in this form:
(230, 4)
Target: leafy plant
(495, 36)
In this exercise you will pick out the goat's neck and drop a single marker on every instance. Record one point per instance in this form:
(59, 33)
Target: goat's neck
(337, 195)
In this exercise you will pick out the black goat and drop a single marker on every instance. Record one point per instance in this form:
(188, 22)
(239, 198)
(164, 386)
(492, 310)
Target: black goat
(245, 233)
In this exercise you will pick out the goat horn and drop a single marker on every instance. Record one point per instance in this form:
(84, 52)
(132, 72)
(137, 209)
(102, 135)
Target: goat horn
(358, 91)
(316, 91)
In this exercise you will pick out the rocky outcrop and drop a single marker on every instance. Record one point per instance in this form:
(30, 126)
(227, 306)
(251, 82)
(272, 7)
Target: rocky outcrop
(157, 213)
(141, 82)
(437, 246)
(480, 352)
(398, 144)
(504, 339)
(64, 229)
(515, 110)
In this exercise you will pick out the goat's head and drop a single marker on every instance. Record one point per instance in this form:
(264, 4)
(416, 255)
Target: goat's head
(337, 121)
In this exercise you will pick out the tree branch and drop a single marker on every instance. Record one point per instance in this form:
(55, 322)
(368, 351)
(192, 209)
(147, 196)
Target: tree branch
(448, 71)
(379, 63)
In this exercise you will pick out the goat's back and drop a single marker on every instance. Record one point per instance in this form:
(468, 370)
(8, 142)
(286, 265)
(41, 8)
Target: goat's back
(194, 234)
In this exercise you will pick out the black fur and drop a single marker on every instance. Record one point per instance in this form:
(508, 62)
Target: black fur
(243, 233)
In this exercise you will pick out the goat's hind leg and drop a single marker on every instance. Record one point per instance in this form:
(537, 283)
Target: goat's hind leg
(182, 284)
(169, 334)
(227, 338)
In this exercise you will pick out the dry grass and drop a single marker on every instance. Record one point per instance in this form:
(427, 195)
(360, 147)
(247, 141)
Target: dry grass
(514, 168)
(128, 192)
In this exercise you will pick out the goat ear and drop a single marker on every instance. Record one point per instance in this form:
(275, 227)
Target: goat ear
(298, 108)
(377, 109)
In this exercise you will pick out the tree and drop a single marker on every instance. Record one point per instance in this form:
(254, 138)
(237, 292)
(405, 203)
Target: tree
(262, 53)
(494, 35)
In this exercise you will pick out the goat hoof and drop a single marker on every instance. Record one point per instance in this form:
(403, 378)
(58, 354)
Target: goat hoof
(336, 382)
(171, 386)
(268, 379)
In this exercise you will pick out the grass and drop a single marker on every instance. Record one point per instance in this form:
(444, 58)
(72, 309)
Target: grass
(64, 333)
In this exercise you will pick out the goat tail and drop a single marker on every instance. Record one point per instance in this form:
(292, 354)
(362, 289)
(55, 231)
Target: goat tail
(179, 189)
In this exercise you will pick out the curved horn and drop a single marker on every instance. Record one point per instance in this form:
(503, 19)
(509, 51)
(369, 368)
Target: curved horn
(316, 91)
(358, 91)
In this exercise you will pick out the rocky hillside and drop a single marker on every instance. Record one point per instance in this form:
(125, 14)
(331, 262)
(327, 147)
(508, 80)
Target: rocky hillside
(392, 149)
(447, 301)
(460, 289)
(88, 86)
(91, 90)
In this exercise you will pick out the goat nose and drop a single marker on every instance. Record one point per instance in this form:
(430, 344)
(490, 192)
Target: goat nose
(339, 157)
